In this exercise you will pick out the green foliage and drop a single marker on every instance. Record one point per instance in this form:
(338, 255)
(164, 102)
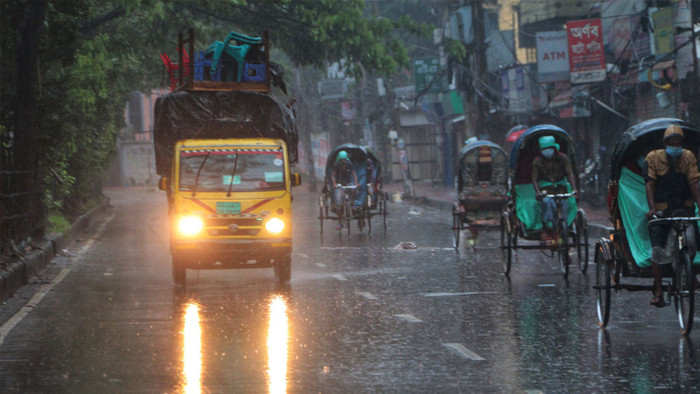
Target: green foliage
(58, 224)
(93, 54)
(456, 49)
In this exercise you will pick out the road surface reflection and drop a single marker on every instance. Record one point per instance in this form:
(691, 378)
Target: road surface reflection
(277, 339)
(192, 350)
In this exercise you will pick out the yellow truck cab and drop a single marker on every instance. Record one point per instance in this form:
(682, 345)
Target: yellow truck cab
(230, 205)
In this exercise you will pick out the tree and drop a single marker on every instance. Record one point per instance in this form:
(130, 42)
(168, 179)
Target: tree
(68, 67)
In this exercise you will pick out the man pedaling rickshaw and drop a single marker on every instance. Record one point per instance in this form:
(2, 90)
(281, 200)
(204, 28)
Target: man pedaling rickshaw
(343, 175)
(671, 177)
(551, 174)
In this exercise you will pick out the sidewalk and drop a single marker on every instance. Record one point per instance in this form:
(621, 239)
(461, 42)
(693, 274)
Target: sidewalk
(17, 271)
(442, 198)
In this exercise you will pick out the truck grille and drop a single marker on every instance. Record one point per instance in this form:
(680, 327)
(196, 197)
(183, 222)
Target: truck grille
(225, 222)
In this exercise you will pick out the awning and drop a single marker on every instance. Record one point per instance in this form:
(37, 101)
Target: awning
(560, 100)
(663, 65)
(414, 119)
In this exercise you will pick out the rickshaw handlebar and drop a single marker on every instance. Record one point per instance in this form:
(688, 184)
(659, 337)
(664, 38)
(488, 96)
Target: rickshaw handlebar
(564, 195)
(675, 219)
(346, 187)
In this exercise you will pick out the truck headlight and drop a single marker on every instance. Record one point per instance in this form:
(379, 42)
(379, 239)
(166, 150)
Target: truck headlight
(274, 225)
(190, 225)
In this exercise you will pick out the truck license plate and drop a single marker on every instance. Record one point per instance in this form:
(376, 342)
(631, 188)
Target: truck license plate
(228, 208)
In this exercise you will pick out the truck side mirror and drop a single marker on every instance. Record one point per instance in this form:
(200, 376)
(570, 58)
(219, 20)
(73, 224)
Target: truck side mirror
(296, 179)
(163, 183)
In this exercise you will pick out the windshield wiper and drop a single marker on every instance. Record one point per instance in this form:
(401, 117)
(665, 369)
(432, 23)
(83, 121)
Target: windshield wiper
(199, 171)
(233, 174)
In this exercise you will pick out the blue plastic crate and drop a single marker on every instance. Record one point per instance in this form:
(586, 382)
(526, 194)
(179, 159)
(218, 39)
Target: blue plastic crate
(201, 67)
(254, 72)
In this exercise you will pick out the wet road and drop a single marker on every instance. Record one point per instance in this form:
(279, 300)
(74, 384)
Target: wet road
(358, 316)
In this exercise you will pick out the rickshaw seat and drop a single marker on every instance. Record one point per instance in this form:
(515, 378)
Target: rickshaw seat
(528, 208)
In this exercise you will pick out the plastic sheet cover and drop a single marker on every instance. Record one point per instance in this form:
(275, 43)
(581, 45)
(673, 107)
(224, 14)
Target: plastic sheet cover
(213, 115)
(632, 200)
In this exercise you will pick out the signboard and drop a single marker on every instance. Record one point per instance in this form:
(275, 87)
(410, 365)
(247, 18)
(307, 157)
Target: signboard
(628, 41)
(586, 55)
(516, 89)
(552, 56)
(332, 88)
(663, 30)
(426, 75)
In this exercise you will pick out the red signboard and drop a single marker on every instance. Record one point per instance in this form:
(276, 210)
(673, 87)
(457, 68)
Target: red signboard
(586, 54)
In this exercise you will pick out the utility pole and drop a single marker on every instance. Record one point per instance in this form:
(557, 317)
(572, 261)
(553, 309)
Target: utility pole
(479, 65)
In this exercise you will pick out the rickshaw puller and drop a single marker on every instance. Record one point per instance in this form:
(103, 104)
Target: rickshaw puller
(671, 178)
(551, 173)
(343, 175)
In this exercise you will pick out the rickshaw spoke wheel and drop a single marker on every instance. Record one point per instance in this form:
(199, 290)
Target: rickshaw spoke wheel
(581, 242)
(368, 216)
(320, 213)
(563, 248)
(456, 226)
(348, 214)
(384, 210)
(506, 247)
(684, 297)
(602, 288)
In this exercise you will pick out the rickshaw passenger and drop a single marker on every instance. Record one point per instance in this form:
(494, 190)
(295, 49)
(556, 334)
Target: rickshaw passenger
(551, 173)
(343, 174)
(671, 184)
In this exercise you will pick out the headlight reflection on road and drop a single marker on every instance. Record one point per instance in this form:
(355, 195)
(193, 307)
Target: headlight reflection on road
(192, 350)
(277, 341)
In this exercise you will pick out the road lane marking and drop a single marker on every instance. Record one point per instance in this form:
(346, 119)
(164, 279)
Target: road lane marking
(409, 318)
(463, 352)
(459, 294)
(547, 285)
(367, 295)
(339, 277)
(45, 288)
(321, 265)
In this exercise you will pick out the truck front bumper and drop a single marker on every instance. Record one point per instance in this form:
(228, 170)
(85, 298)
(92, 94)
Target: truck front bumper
(230, 253)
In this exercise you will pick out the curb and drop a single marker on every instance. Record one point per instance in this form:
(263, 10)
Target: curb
(19, 271)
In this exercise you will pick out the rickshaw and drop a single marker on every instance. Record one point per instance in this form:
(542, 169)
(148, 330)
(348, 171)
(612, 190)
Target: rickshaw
(522, 220)
(482, 188)
(358, 202)
(626, 252)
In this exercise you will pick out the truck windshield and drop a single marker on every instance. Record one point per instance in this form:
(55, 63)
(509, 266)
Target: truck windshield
(256, 169)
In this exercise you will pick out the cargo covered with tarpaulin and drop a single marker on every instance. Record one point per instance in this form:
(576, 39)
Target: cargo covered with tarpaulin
(219, 115)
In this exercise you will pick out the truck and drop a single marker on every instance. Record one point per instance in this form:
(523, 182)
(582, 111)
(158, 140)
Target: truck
(225, 153)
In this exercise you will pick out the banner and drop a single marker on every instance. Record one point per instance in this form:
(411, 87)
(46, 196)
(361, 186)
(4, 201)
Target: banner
(663, 30)
(552, 56)
(586, 55)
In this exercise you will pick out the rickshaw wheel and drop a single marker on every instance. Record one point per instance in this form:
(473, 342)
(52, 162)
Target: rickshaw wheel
(348, 214)
(684, 297)
(320, 212)
(506, 246)
(602, 287)
(581, 241)
(384, 209)
(368, 217)
(456, 227)
(563, 248)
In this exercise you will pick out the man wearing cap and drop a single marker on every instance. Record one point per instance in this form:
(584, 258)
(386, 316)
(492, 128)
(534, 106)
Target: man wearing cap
(551, 173)
(343, 175)
(671, 178)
